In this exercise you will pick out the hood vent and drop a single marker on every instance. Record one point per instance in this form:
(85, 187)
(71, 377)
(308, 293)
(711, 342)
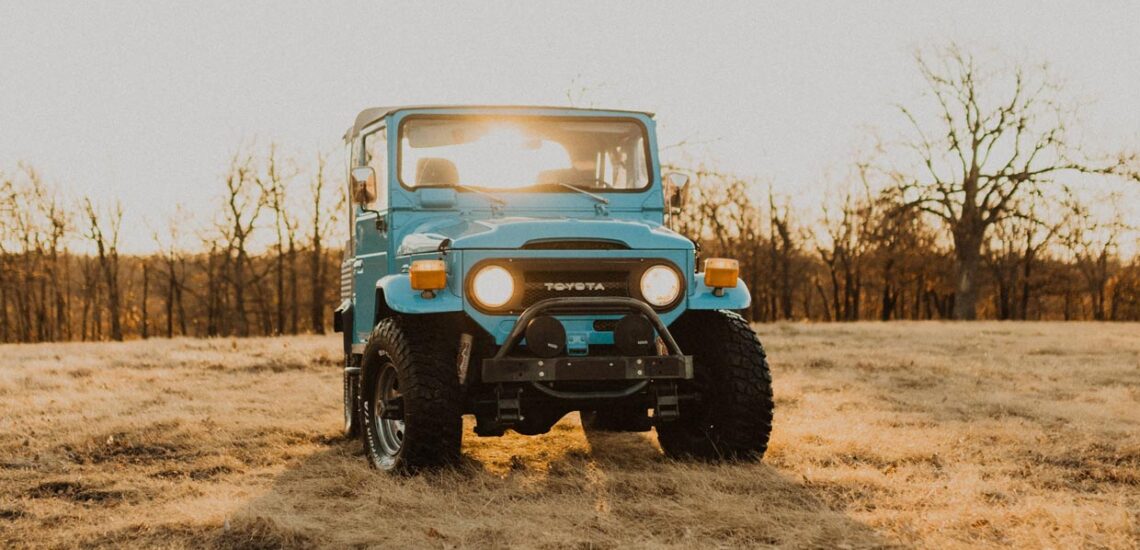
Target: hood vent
(574, 244)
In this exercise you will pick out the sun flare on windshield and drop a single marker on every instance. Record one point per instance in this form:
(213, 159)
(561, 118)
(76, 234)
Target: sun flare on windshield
(512, 154)
(505, 157)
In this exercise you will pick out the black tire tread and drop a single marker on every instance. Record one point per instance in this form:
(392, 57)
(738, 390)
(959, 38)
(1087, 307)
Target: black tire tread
(424, 358)
(734, 417)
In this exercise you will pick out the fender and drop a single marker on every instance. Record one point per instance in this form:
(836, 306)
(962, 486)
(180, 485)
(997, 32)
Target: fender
(733, 298)
(395, 292)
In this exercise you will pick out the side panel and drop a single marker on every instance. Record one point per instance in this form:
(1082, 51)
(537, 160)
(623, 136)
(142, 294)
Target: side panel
(370, 265)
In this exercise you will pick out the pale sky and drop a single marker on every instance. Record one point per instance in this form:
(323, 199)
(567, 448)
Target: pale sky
(146, 101)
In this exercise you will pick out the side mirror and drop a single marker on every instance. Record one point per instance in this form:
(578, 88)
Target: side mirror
(363, 185)
(676, 189)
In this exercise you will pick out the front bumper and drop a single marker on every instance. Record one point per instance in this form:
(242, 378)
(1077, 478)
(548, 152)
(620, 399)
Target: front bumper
(559, 369)
(502, 368)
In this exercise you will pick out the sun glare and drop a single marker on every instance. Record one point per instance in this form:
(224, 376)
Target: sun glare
(504, 157)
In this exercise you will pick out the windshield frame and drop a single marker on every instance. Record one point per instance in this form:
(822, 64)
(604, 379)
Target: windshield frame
(651, 174)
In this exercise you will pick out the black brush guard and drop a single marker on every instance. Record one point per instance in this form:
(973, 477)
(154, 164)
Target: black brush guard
(642, 369)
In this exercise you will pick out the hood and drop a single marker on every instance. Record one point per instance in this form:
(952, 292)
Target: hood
(515, 232)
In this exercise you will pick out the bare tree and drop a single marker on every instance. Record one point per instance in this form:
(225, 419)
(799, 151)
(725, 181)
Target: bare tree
(144, 323)
(1012, 256)
(92, 325)
(783, 247)
(7, 268)
(843, 249)
(997, 138)
(243, 204)
(322, 219)
(1094, 244)
(274, 187)
(173, 266)
(33, 228)
(103, 231)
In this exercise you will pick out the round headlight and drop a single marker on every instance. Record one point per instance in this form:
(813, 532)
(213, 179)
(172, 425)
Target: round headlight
(660, 285)
(493, 286)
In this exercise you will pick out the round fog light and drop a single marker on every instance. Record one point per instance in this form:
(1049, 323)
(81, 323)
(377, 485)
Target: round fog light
(634, 335)
(545, 336)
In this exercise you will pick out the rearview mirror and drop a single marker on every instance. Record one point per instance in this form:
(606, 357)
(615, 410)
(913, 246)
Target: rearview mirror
(676, 189)
(363, 185)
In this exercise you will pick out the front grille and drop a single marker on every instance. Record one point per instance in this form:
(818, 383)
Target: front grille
(540, 285)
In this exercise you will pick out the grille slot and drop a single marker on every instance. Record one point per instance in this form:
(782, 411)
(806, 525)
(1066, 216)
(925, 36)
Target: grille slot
(585, 244)
(540, 285)
(605, 325)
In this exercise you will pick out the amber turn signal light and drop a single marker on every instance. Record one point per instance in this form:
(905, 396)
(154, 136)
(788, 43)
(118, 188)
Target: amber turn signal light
(721, 272)
(428, 274)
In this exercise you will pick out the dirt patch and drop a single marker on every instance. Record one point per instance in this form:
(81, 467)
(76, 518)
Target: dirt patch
(154, 443)
(1086, 468)
(79, 492)
(204, 473)
(819, 363)
(10, 514)
(914, 382)
(253, 534)
(859, 458)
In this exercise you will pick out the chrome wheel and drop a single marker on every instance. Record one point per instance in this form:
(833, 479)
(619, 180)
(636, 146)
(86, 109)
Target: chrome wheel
(388, 411)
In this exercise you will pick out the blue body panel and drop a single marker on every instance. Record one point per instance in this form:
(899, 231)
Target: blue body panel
(702, 297)
(418, 221)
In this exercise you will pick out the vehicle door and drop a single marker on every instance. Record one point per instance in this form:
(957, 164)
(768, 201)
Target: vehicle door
(370, 230)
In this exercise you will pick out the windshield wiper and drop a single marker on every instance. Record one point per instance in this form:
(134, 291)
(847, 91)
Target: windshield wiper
(494, 198)
(596, 197)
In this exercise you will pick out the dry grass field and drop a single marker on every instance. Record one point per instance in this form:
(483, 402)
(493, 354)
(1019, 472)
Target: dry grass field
(930, 435)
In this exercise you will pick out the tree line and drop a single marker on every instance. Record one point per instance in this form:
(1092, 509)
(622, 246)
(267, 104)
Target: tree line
(262, 266)
(979, 210)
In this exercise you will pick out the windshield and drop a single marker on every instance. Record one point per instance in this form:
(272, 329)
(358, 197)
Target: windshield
(504, 153)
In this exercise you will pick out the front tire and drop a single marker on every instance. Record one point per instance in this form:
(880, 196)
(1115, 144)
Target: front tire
(732, 417)
(411, 402)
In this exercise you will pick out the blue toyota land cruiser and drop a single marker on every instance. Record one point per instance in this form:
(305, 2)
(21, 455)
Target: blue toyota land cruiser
(516, 264)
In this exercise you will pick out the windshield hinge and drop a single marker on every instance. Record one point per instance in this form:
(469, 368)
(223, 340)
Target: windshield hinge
(601, 209)
(496, 209)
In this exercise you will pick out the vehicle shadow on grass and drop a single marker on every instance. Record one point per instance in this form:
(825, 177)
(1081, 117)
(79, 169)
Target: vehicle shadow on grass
(558, 490)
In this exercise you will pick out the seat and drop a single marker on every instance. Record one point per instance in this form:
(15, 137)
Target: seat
(436, 171)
